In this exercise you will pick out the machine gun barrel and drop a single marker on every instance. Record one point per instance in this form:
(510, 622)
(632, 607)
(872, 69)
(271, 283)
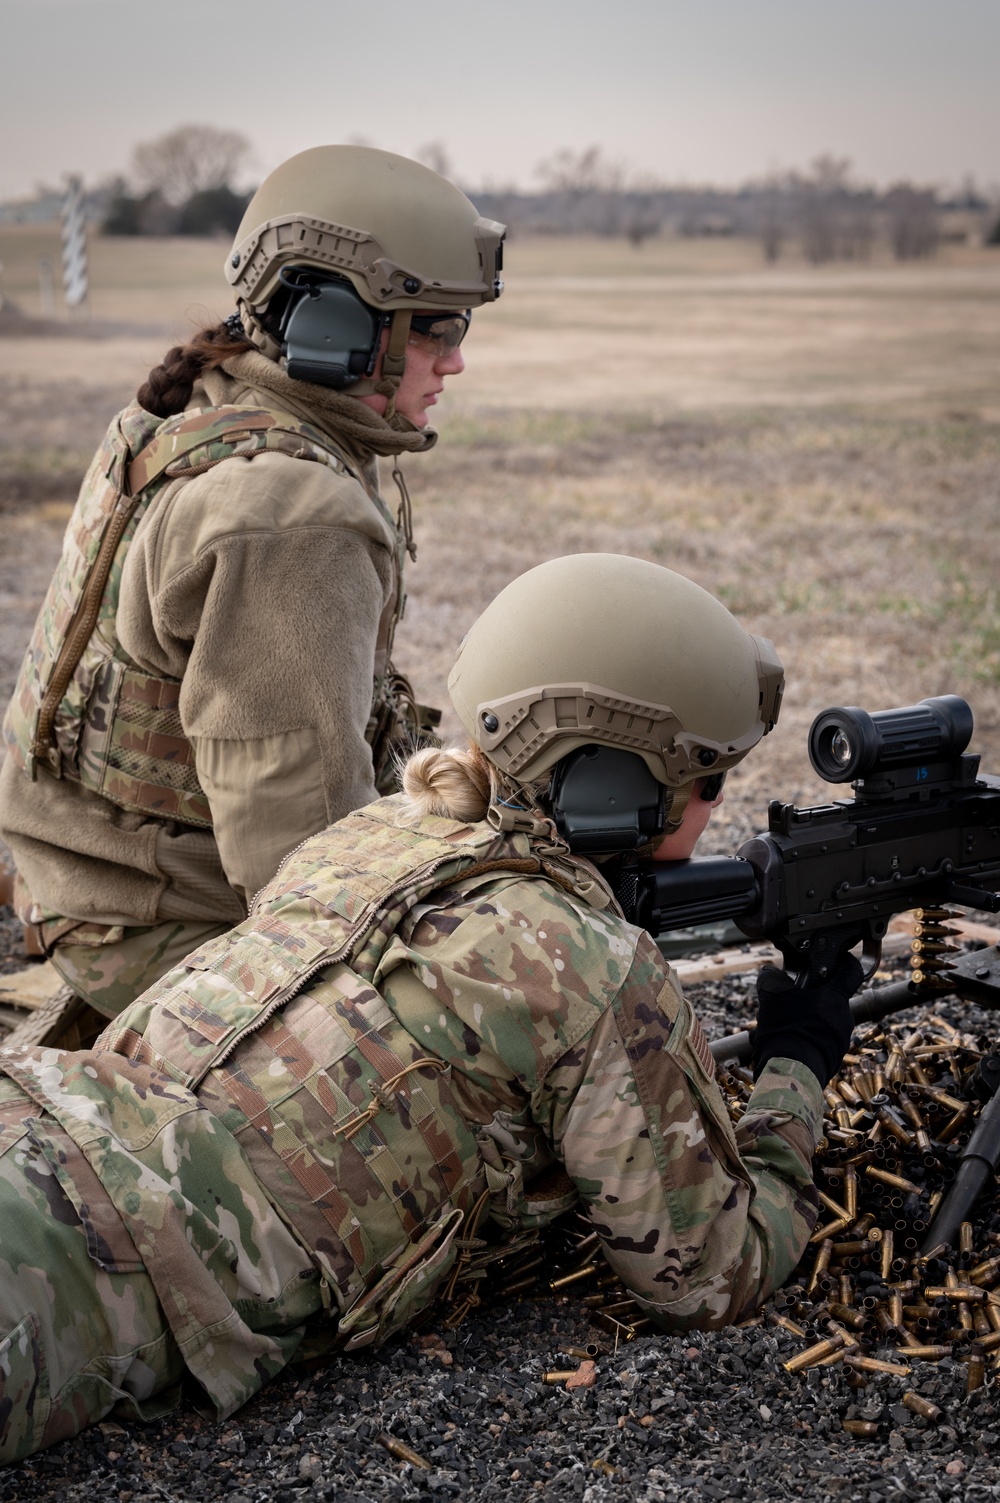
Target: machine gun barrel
(976, 1168)
(869, 1006)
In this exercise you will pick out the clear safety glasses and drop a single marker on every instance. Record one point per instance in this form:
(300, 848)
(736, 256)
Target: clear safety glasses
(437, 334)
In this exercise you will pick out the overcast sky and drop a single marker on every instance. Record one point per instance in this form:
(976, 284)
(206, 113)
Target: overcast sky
(686, 90)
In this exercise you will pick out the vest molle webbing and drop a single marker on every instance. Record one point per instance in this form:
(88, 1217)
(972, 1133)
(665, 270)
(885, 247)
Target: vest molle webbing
(347, 1121)
(81, 708)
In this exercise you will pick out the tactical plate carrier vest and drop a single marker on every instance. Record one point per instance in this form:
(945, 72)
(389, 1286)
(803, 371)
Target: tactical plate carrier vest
(348, 1119)
(81, 708)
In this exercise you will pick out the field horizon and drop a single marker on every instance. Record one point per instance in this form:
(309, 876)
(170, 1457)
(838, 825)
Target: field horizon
(817, 446)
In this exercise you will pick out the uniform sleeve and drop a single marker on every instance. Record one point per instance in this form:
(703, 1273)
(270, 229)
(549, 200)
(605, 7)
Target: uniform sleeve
(700, 1222)
(262, 585)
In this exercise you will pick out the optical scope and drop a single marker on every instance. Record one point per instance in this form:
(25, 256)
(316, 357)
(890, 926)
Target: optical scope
(847, 744)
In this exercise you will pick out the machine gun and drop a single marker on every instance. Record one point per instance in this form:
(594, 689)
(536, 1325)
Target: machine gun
(922, 830)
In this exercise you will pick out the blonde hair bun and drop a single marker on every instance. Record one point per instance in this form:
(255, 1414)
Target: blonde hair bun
(452, 784)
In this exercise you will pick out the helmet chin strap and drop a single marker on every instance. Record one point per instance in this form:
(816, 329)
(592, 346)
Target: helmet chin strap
(679, 800)
(394, 360)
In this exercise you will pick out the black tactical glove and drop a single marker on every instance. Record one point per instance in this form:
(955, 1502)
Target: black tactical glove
(811, 1024)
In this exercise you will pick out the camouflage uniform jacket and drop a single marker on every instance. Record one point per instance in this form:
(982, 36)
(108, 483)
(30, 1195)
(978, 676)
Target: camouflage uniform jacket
(417, 1015)
(249, 607)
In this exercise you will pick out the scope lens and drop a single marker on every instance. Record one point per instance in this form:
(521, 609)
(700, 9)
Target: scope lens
(847, 744)
(841, 743)
(841, 749)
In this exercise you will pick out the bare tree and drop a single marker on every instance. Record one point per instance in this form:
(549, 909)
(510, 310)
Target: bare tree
(822, 195)
(772, 217)
(579, 172)
(191, 159)
(588, 192)
(858, 225)
(435, 156)
(913, 221)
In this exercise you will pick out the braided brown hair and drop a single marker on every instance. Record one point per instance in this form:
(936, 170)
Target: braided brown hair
(168, 387)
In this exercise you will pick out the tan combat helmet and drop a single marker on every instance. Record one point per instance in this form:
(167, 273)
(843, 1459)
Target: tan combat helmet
(405, 238)
(598, 647)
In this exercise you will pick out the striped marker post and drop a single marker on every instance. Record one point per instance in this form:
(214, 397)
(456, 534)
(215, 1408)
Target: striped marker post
(74, 244)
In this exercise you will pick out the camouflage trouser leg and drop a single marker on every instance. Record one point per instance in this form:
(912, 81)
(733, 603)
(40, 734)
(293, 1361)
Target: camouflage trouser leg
(81, 1329)
(109, 977)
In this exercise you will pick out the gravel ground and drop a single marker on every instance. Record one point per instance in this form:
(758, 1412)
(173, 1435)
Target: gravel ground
(694, 1417)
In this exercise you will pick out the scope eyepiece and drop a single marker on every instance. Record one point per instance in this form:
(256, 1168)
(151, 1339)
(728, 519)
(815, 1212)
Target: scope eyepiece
(847, 744)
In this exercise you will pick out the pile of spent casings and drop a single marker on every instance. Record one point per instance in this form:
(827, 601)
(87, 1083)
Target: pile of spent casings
(869, 1294)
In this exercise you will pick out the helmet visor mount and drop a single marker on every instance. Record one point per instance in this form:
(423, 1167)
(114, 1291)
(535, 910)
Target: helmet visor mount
(525, 734)
(254, 267)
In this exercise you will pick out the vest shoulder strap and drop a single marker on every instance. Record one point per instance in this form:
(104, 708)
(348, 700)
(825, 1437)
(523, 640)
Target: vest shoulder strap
(210, 435)
(196, 441)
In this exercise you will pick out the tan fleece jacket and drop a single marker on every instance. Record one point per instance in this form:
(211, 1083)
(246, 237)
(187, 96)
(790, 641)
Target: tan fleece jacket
(261, 585)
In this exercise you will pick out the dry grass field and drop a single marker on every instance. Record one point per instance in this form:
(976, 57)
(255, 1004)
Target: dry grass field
(820, 447)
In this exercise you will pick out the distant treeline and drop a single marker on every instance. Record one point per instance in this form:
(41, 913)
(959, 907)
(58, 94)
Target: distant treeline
(182, 183)
(823, 212)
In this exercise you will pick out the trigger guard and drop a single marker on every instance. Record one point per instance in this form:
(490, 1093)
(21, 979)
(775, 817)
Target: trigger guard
(871, 951)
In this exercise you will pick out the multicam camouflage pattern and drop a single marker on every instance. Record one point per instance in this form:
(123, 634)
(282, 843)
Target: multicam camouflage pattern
(563, 1035)
(180, 1234)
(117, 729)
(110, 975)
(80, 1325)
(417, 1014)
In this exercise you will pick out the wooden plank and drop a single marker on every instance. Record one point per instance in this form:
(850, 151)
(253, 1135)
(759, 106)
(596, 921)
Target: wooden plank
(31, 988)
